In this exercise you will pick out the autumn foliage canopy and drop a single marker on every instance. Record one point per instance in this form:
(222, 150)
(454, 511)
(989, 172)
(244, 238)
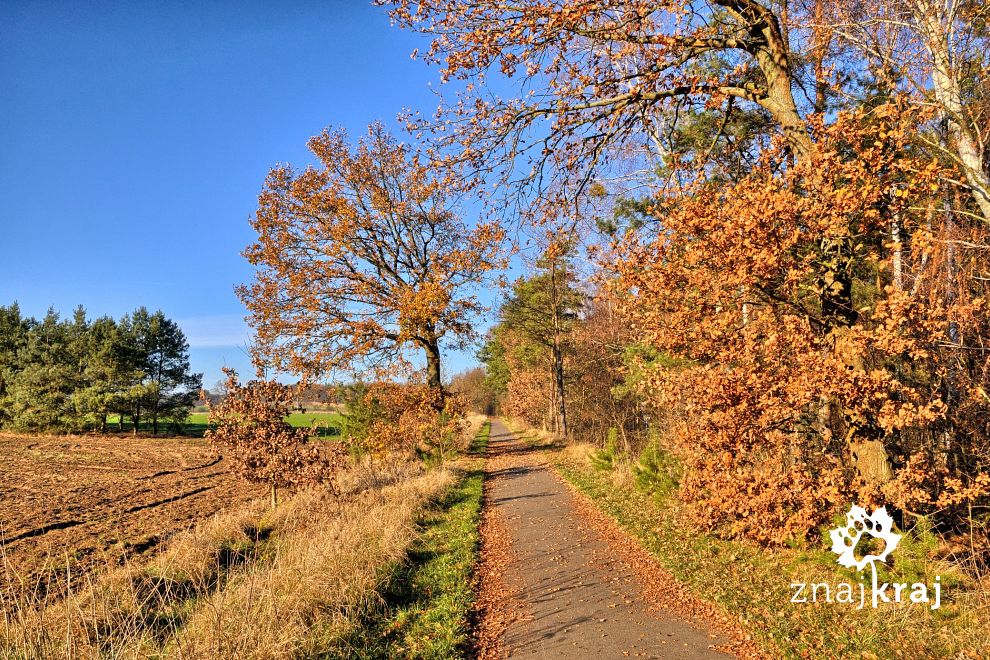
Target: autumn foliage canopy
(795, 268)
(361, 258)
(777, 216)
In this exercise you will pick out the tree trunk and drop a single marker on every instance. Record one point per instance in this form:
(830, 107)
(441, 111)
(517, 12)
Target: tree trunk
(936, 31)
(154, 412)
(274, 496)
(898, 256)
(770, 50)
(835, 285)
(550, 420)
(558, 357)
(433, 369)
(558, 376)
(158, 392)
(951, 271)
(863, 439)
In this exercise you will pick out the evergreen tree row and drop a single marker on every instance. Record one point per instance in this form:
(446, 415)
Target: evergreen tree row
(75, 374)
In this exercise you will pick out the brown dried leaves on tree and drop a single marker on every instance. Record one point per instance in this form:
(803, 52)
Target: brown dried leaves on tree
(787, 407)
(412, 418)
(362, 257)
(252, 431)
(599, 78)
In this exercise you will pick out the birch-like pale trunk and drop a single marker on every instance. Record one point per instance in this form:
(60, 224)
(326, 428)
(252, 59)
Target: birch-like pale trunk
(935, 22)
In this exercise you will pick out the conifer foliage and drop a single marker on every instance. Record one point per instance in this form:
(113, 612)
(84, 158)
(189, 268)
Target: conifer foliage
(71, 375)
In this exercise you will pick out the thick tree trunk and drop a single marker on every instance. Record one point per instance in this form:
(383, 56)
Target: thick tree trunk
(864, 440)
(770, 50)
(434, 376)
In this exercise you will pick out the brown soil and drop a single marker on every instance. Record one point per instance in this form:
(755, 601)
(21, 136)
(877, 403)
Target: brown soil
(83, 502)
(571, 584)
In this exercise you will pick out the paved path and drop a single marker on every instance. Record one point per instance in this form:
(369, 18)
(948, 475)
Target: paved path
(578, 599)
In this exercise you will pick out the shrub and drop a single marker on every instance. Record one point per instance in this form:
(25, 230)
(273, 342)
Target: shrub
(415, 419)
(657, 470)
(251, 425)
(607, 457)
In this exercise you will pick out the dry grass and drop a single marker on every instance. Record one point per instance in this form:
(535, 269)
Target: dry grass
(622, 474)
(579, 452)
(246, 584)
(472, 425)
(532, 436)
(301, 601)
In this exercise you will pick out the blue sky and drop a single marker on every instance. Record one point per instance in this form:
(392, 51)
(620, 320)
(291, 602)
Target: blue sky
(134, 138)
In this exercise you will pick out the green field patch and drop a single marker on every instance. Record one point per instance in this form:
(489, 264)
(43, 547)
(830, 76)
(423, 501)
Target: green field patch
(325, 424)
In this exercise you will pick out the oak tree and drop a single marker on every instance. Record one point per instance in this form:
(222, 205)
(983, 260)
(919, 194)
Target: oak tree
(781, 414)
(362, 257)
(251, 427)
(589, 80)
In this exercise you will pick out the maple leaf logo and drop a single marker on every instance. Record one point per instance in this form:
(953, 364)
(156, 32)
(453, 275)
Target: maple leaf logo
(858, 522)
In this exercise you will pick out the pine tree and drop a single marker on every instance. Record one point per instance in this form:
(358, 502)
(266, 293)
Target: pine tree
(77, 338)
(542, 310)
(173, 389)
(104, 373)
(40, 390)
(13, 338)
(129, 349)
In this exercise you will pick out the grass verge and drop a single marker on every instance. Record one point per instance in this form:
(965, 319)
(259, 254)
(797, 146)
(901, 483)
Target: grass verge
(754, 584)
(426, 603)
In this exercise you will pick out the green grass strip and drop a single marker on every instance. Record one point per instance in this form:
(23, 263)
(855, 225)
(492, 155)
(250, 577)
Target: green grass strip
(427, 601)
(328, 424)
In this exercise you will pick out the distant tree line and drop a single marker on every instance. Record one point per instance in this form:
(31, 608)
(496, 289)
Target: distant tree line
(75, 374)
(479, 396)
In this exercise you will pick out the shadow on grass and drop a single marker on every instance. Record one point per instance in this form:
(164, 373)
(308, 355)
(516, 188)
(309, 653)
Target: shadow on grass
(426, 600)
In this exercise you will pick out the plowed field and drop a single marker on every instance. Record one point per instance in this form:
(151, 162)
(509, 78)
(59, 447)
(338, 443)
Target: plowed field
(83, 502)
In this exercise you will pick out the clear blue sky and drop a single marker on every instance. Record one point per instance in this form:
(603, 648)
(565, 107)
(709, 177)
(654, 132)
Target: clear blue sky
(134, 138)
